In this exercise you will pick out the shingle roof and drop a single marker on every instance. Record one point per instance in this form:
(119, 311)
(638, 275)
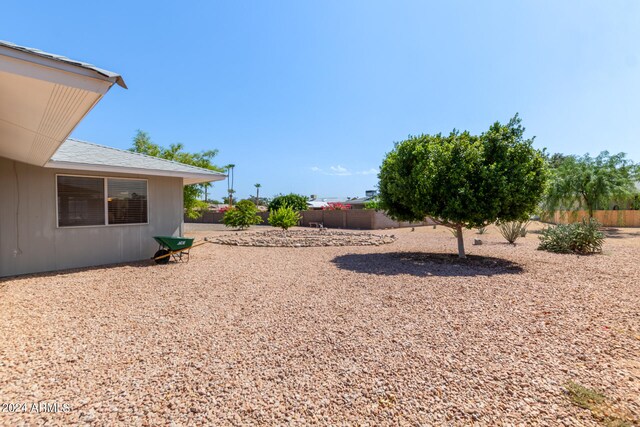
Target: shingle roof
(109, 74)
(82, 155)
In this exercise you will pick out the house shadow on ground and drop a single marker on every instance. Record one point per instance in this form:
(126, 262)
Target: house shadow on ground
(69, 271)
(426, 264)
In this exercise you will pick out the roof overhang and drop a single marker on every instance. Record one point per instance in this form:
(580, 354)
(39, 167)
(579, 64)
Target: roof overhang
(42, 99)
(187, 177)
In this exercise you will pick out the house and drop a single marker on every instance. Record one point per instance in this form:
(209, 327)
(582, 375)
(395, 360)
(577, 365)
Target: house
(316, 203)
(66, 203)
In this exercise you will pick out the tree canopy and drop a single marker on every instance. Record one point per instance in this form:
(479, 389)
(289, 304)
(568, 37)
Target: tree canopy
(295, 201)
(463, 180)
(590, 182)
(193, 205)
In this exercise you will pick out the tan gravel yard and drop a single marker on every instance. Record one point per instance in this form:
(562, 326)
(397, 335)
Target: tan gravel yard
(329, 335)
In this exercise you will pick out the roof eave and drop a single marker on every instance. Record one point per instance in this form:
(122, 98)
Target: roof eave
(188, 177)
(60, 63)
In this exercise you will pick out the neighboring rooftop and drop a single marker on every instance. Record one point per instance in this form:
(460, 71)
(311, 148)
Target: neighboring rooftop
(81, 155)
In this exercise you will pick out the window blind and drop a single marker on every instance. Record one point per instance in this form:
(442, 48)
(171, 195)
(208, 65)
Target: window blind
(127, 201)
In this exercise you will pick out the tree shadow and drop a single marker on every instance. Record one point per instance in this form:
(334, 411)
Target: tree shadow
(426, 264)
(616, 233)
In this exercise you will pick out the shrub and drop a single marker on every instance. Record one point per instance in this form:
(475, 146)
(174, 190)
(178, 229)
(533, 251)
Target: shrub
(285, 217)
(512, 230)
(581, 237)
(243, 215)
(336, 206)
(373, 204)
(481, 230)
(294, 201)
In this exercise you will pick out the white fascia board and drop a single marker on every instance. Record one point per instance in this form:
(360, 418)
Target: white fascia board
(188, 177)
(21, 63)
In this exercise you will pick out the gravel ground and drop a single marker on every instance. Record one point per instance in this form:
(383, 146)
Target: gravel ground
(398, 334)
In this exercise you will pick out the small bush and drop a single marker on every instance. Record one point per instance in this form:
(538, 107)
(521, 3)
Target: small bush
(336, 206)
(482, 230)
(294, 201)
(243, 215)
(373, 204)
(581, 237)
(285, 218)
(512, 230)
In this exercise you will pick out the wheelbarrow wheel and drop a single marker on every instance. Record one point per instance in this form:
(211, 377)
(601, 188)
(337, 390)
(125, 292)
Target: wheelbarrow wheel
(164, 260)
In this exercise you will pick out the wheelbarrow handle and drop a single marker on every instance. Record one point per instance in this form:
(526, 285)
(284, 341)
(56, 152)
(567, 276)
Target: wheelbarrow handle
(180, 250)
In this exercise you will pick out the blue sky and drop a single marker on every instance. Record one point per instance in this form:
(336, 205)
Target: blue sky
(308, 97)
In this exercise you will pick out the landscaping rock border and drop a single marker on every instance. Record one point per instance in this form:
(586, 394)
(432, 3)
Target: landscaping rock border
(303, 238)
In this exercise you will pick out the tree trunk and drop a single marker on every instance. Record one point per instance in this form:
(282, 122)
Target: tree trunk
(460, 242)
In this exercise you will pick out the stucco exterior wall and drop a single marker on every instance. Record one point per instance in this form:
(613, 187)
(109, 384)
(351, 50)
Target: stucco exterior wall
(30, 240)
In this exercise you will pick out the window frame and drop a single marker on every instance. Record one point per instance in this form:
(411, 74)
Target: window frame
(105, 180)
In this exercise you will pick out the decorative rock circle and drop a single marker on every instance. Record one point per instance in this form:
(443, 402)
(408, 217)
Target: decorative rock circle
(303, 238)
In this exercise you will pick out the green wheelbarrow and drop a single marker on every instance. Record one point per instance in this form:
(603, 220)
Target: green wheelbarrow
(172, 247)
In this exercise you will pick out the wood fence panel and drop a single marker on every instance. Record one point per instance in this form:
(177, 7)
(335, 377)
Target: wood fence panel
(609, 218)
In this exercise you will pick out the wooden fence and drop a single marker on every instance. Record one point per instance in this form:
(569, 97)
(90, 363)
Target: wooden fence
(610, 218)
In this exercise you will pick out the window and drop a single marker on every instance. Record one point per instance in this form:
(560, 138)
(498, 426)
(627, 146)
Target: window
(127, 201)
(86, 201)
(80, 201)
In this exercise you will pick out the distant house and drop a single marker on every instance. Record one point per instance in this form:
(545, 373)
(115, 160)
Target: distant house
(316, 203)
(68, 203)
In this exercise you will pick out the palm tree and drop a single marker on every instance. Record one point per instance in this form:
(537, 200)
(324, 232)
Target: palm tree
(230, 189)
(257, 193)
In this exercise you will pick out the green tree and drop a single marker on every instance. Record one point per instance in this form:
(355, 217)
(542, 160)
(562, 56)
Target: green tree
(295, 201)
(462, 180)
(373, 203)
(590, 182)
(243, 215)
(284, 217)
(192, 204)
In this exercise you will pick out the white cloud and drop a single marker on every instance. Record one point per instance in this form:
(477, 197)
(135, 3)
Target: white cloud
(340, 170)
(371, 171)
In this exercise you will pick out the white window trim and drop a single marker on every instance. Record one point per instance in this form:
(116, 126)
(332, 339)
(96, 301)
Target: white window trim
(106, 202)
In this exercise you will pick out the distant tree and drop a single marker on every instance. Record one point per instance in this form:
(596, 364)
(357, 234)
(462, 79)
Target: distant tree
(192, 204)
(462, 180)
(295, 201)
(590, 182)
(555, 160)
(230, 175)
(243, 215)
(373, 203)
(257, 193)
